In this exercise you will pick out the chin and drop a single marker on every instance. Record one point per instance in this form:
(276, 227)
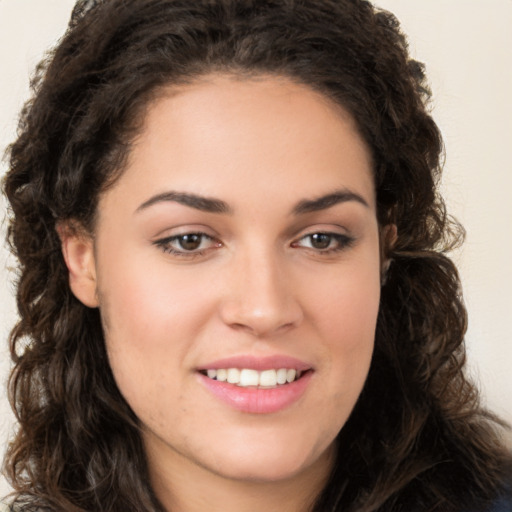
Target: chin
(272, 463)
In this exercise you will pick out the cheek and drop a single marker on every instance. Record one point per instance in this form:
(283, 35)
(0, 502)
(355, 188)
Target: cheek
(348, 304)
(151, 318)
(140, 297)
(346, 317)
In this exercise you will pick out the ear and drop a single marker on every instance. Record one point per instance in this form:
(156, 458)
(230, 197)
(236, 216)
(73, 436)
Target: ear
(78, 251)
(388, 237)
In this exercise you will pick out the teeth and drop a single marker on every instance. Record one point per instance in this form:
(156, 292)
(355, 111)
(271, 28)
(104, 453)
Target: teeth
(233, 375)
(281, 375)
(249, 378)
(268, 378)
(246, 377)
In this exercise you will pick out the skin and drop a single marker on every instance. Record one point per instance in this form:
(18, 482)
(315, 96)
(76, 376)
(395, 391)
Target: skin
(258, 286)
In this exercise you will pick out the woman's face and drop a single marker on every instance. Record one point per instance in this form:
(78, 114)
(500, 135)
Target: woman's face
(241, 242)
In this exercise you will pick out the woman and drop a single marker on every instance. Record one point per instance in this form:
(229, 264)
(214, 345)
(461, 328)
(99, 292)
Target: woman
(233, 288)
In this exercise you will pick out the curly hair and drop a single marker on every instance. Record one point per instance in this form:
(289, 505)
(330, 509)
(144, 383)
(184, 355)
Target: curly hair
(418, 438)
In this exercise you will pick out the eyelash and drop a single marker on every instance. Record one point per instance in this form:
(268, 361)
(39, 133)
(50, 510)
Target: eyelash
(342, 242)
(165, 245)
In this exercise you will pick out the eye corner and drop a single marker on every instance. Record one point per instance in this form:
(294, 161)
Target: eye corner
(187, 245)
(324, 242)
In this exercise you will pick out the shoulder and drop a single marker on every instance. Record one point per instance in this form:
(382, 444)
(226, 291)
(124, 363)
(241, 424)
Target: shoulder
(503, 504)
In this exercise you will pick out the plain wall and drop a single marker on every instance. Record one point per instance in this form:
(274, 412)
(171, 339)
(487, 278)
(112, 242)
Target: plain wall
(466, 46)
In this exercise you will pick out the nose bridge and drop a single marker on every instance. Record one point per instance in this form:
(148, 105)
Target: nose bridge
(260, 298)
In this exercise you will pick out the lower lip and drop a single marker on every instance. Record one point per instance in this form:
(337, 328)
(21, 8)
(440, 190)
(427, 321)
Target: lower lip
(257, 400)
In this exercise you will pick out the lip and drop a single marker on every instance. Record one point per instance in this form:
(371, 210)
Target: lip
(258, 363)
(257, 400)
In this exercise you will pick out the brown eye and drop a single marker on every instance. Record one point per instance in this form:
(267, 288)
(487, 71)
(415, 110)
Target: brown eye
(325, 242)
(190, 242)
(320, 240)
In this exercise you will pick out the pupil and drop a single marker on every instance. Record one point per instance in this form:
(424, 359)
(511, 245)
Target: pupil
(320, 240)
(190, 242)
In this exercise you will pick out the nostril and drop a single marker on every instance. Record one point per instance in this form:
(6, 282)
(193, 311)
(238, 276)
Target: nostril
(260, 306)
(261, 329)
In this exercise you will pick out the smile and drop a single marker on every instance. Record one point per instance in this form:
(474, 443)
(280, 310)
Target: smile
(255, 386)
(246, 377)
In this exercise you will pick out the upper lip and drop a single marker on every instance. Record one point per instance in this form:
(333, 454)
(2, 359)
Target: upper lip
(258, 363)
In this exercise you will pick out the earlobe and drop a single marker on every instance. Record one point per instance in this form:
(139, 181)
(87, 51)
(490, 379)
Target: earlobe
(78, 252)
(389, 237)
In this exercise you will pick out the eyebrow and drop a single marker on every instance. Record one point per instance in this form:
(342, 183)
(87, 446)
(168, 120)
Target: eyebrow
(212, 205)
(205, 204)
(327, 201)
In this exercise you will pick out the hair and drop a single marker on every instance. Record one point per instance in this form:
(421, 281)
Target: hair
(418, 438)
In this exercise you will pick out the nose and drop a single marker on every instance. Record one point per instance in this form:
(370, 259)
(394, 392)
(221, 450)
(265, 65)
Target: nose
(260, 296)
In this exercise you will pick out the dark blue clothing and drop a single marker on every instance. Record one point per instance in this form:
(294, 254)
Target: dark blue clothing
(502, 505)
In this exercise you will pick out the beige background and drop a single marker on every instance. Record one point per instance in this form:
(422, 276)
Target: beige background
(466, 45)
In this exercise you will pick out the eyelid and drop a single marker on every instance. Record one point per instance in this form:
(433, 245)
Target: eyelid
(169, 242)
(164, 244)
(182, 229)
(344, 240)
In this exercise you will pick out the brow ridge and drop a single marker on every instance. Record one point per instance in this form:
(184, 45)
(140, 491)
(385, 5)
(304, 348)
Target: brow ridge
(212, 205)
(205, 204)
(327, 201)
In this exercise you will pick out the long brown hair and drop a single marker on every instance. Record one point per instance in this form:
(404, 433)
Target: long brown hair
(417, 439)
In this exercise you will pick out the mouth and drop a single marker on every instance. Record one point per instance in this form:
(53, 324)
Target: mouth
(251, 378)
(260, 385)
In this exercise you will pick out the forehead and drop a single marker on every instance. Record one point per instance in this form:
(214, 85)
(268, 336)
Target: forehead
(225, 135)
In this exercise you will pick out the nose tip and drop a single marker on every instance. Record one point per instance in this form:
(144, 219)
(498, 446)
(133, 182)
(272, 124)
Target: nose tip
(260, 323)
(261, 301)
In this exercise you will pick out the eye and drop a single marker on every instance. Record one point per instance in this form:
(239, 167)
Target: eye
(187, 244)
(324, 242)
(190, 242)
